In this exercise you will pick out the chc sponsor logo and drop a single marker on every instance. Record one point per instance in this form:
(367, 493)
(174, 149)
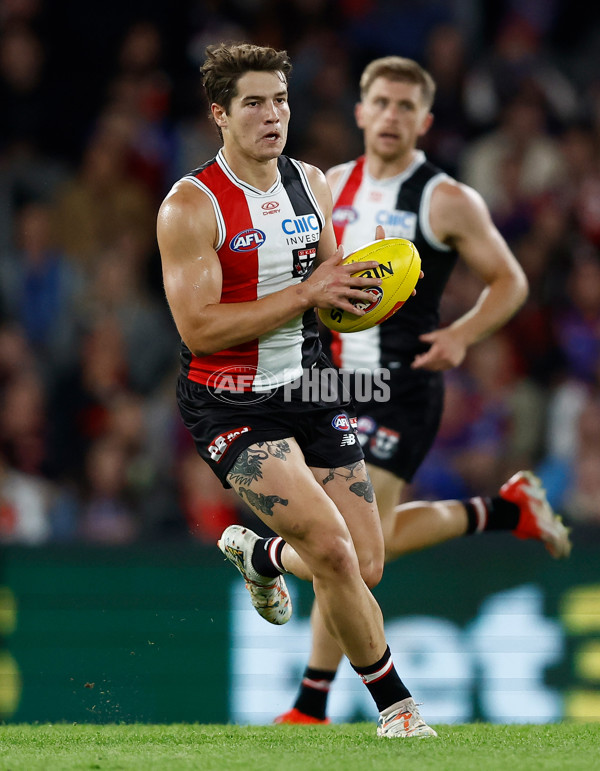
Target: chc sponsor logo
(270, 207)
(256, 383)
(344, 215)
(247, 240)
(221, 443)
(400, 224)
(306, 224)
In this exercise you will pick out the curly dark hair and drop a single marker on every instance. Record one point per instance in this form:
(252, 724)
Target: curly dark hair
(226, 63)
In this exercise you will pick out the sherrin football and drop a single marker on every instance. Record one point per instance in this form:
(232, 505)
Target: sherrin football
(399, 270)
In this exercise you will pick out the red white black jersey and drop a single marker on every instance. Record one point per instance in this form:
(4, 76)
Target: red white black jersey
(267, 241)
(401, 204)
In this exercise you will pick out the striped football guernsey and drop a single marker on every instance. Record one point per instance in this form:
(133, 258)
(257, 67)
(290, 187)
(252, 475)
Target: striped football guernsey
(267, 241)
(401, 204)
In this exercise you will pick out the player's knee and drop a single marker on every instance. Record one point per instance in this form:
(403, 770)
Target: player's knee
(335, 557)
(371, 558)
(371, 571)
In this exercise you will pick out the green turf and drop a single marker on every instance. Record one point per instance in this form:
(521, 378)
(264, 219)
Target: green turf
(478, 747)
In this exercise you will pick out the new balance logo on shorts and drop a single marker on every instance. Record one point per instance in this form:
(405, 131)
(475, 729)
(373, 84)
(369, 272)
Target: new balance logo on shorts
(221, 443)
(347, 440)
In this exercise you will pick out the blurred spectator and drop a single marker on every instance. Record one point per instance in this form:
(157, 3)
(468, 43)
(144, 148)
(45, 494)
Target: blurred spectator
(323, 89)
(328, 140)
(582, 497)
(140, 92)
(24, 507)
(513, 211)
(101, 201)
(387, 27)
(580, 190)
(16, 356)
(577, 322)
(196, 141)
(570, 469)
(28, 126)
(445, 59)
(26, 101)
(40, 289)
(108, 510)
(521, 138)
(517, 65)
(24, 424)
(80, 401)
(144, 429)
(117, 287)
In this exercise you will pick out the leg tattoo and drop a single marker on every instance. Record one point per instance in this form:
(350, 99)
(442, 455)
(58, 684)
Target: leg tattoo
(361, 487)
(260, 502)
(248, 465)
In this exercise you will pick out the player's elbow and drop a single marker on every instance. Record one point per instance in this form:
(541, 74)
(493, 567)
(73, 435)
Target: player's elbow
(203, 345)
(201, 340)
(521, 288)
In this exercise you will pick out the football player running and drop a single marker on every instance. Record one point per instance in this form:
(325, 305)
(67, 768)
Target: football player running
(240, 298)
(393, 184)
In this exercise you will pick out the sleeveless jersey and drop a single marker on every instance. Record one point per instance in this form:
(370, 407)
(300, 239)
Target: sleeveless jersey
(266, 241)
(401, 205)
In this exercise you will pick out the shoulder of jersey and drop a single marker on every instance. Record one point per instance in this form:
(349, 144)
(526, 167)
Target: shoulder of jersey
(399, 269)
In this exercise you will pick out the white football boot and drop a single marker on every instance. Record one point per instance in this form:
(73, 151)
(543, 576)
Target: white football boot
(269, 596)
(403, 720)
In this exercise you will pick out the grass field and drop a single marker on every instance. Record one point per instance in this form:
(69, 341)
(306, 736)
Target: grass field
(477, 747)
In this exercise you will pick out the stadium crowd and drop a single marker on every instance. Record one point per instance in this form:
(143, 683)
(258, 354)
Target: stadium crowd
(102, 111)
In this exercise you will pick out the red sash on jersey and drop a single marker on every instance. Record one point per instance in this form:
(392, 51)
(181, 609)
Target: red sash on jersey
(346, 196)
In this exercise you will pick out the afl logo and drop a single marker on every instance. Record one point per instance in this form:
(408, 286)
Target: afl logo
(270, 205)
(341, 422)
(344, 215)
(247, 240)
(376, 293)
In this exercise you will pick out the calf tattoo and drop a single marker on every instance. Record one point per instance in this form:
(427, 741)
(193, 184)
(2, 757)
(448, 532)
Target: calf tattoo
(361, 487)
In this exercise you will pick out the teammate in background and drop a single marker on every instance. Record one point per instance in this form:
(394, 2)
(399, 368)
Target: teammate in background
(395, 185)
(242, 292)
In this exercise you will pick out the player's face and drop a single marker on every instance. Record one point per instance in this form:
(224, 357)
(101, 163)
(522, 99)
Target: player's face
(393, 117)
(256, 123)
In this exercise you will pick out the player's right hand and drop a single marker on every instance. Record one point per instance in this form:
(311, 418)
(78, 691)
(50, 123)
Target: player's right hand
(332, 284)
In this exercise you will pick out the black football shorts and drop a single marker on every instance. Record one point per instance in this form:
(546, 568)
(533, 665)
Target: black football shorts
(396, 434)
(222, 428)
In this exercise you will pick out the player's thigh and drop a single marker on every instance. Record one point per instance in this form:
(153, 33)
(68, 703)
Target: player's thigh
(274, 480)
(350, 488)
(388, 489)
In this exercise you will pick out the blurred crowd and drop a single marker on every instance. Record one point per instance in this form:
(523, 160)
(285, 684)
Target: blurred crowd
(102, 110)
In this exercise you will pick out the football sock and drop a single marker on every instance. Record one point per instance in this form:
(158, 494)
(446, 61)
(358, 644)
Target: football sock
(266, 557)
(314, 690)
(491, 514)
(383, 681)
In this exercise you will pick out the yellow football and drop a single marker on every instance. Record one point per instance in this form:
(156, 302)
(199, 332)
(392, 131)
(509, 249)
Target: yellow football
(399, 269)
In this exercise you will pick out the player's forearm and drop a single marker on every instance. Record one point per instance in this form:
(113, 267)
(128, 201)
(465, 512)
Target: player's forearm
(496, 305)
(223, 325)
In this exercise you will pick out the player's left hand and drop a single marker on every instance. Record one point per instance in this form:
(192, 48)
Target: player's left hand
(447, 350)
